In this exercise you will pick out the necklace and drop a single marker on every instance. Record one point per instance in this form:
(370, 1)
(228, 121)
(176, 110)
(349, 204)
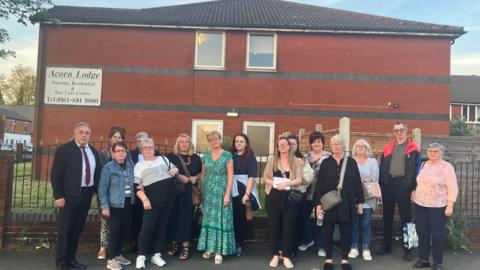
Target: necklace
(187, 162)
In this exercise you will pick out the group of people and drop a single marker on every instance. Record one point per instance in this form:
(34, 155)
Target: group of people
(151, 198)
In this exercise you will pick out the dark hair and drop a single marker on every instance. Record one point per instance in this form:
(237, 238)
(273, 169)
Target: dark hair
(119, 144)
(248, 148)
(400, 123)
(114, 130)
(315, 136)
(297, 153)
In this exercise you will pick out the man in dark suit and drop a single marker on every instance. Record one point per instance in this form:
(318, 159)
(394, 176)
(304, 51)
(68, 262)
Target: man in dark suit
(75, 174)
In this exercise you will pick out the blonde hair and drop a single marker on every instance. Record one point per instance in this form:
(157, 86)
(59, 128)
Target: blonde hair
(191, 148)
(337, 138)
(146, 141)
(367, 146)
(215, 134)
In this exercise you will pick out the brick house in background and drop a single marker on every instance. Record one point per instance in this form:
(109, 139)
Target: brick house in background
(259, 66)
(465, 102)
(15, 125)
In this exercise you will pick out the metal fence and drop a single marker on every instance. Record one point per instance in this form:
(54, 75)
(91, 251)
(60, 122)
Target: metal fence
(32, 192)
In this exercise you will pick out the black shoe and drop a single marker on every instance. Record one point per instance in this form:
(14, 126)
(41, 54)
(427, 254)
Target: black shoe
(346, 266)
(408, 255)
(76, 265)
(383, 251)
(437, 267)
(328, 266)
(62, 266)
(421, 264)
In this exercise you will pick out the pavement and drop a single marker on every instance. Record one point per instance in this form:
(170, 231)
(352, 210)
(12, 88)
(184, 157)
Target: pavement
(254, 257)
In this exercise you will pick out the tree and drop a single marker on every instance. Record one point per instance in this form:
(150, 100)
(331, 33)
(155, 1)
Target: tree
(458, 127)
(21, 10)
(19, 88)
(2, 85)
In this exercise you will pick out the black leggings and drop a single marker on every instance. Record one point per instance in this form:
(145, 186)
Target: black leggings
(154, 228)
(345, 238)
(281, 221)
(118, 226)
(240, 222)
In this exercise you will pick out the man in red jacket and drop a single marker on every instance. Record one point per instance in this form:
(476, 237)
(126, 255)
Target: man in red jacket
(398, 172)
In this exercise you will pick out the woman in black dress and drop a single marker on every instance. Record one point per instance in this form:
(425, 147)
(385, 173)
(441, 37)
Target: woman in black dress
(352, 200)
(190, 167)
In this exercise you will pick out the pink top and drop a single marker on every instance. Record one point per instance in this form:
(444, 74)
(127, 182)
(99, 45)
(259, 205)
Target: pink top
(436, 185)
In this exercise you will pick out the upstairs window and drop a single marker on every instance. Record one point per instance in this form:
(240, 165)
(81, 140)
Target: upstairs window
(262, 50)
(210, 50)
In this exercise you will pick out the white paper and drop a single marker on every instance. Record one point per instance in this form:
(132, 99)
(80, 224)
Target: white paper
(279, 180)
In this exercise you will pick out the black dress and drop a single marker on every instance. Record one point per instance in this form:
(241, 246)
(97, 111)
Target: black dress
(180, 225)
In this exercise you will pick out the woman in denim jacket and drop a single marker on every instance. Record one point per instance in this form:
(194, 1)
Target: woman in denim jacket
(116, 198)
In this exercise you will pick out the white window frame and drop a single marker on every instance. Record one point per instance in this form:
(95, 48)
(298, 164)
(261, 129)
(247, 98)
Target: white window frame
(222, 67)
(467, 113)
(269, 69)
(196, 122)
(271, 125)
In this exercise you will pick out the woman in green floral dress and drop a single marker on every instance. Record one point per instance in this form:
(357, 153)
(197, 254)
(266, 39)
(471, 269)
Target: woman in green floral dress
(217, 234)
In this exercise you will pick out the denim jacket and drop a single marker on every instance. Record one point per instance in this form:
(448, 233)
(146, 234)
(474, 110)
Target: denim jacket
(111, 190)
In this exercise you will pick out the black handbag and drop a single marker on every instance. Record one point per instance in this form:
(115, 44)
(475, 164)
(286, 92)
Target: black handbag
(295, 197)
(179, 186)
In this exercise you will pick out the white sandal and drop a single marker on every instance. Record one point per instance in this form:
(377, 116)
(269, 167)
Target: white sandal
(218, 259)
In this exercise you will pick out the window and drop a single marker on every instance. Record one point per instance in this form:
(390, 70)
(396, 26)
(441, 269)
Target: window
(471, 113)
(262, 50)
(200, 129)
(261, 135)
(210, 50)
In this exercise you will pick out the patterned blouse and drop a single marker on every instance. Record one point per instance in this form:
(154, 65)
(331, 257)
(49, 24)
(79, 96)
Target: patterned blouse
(436, 185)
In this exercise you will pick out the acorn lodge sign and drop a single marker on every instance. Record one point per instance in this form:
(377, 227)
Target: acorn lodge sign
(73, 86)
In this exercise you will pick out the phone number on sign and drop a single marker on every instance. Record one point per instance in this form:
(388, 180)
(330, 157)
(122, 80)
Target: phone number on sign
(72, 100)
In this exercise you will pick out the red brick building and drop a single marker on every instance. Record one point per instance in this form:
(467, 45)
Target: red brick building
(262, 66)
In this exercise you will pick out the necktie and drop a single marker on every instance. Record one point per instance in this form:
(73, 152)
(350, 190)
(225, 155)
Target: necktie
(87, 166)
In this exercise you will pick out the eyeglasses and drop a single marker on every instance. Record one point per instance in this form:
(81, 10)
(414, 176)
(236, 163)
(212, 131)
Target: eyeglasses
(283, 145)
(433, 150)
(147, 147)
(398, 130)
(120, 151)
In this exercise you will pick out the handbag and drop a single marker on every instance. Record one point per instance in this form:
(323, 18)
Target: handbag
(410, 237)
(179, 186)
(294, 197)
(371, 188)
(332, 199)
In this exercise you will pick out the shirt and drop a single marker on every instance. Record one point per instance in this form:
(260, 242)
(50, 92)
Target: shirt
(147, 172)
(397, 164)
(369, 169)
(436, 185)
(92, 162)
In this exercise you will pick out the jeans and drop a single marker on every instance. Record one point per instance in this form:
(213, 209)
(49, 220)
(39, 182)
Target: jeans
(363, 228)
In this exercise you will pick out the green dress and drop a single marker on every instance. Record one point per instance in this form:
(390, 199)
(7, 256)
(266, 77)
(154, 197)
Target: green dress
(217, 234)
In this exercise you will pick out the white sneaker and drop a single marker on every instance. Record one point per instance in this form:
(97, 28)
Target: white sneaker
(353, 253)
(366, 255)
(113, 265)
(157, 259)
(321, 252)
(122, 260)
(304, 247)
(140, 264)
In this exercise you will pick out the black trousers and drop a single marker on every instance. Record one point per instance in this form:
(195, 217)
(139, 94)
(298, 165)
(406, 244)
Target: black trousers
(240, 222)
(154, 227)
(137, 217)
(345, 238)
(281, 222)
(394, 193)
(430, 226)
(118, 226)
(71, 220)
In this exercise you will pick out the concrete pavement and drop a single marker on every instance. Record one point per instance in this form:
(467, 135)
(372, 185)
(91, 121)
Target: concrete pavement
(254, 257)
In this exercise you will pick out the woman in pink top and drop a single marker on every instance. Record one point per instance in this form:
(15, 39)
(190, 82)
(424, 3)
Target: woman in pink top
(434, 197)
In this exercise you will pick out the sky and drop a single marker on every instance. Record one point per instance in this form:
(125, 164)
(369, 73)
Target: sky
(465, 52)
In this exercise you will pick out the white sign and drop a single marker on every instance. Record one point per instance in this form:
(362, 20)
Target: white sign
(73, 86)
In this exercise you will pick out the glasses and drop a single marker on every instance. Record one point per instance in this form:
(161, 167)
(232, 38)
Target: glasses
(433, 150)
(283, 145)
(213, 139)
(399, 130)
(147, 147)
(120, 151)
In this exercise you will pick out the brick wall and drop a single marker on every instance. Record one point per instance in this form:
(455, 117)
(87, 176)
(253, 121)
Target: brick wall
(371, 56)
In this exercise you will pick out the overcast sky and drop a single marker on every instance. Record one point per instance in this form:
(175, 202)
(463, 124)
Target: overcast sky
(466, 13)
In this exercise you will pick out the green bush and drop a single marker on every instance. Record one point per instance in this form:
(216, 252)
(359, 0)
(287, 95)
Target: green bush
(456, 234)
(458, 127)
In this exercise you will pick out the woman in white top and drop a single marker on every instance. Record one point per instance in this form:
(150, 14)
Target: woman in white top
(368, 167)
(155, 175)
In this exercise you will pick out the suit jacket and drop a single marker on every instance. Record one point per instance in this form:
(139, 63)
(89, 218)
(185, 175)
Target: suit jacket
(67, 170)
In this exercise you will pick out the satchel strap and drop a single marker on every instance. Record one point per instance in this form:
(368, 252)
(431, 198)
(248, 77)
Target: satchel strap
(166, 162)
(342, 172)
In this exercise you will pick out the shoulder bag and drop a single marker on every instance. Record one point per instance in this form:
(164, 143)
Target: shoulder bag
(332, 199)
(196, 192)
(179, 186)
(371, 188)
(294, 197)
